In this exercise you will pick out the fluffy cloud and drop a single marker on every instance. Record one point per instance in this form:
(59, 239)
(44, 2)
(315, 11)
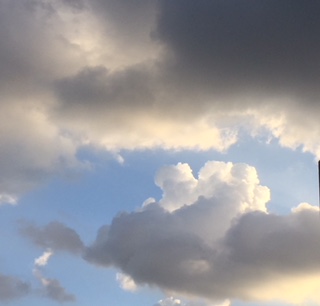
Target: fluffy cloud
(55, 236)
(12, 288)
(211, 237)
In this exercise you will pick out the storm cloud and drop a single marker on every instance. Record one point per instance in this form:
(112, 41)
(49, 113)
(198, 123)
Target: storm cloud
(157, 74)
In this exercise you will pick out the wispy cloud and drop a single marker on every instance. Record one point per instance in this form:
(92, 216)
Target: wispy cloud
(51, 288)
(12, 288)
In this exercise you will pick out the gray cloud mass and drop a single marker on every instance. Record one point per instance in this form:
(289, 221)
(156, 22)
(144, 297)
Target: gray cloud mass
(219, 246)
(168, 74)
(245, 45)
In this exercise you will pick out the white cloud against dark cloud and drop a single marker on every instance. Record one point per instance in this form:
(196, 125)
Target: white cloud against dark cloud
(126, 282)
(211, 237)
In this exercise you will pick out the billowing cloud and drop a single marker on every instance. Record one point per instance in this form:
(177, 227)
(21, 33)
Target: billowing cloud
(169, 74)
(255, 58)
(12, 288)
(212, 237)
(55, 236)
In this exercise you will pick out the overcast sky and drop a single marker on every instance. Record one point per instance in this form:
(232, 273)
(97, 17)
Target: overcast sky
(159, 152)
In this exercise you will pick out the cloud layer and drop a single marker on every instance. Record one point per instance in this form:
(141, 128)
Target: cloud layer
(211, 237)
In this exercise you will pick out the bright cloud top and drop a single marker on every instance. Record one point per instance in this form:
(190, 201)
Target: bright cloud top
(211, 237)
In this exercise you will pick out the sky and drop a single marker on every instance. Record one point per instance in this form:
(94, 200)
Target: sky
(159, 152)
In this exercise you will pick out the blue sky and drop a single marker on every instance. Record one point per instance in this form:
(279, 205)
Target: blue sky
(159, 153)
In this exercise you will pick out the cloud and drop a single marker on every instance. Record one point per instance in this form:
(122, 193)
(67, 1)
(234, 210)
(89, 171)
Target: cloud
(247, 56)
(33, 148)
(12, 288)
(229, 72)
(32, 151)
(7, 199)
(126, 282)
(43, 259)
(160, 74)
(171, 301)
(212, 237)
(53, 290)
(55, 236)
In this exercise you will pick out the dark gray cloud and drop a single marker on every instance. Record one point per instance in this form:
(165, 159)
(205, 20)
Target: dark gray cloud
(12, 288)
(219, 247)
(55, 236)
(222, 63)
(110, 92)
(244, 47)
